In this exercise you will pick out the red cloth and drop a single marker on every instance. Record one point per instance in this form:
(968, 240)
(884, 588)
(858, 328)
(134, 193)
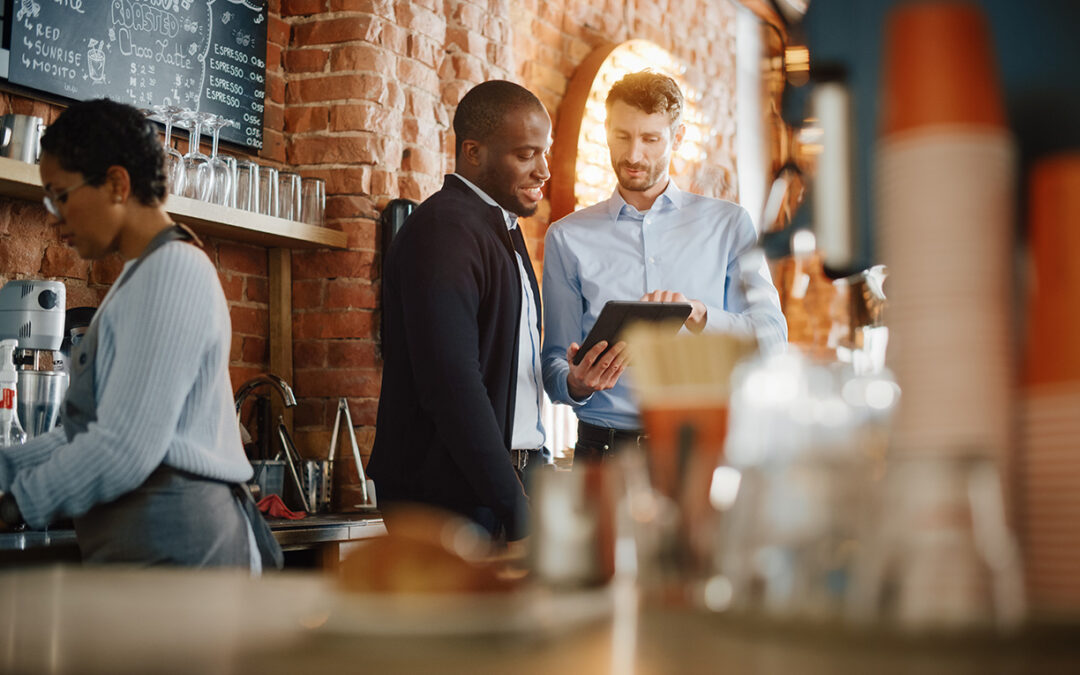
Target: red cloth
(272, 506)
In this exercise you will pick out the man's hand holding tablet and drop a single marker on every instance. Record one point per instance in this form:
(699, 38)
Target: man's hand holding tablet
(594, 367)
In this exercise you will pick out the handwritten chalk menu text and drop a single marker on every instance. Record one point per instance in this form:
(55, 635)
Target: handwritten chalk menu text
(204, 55)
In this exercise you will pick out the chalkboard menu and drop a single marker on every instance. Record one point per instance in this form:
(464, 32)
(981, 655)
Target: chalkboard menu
(205, 55)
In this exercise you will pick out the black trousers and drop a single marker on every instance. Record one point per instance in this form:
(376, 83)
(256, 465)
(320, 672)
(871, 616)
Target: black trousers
(596, 444)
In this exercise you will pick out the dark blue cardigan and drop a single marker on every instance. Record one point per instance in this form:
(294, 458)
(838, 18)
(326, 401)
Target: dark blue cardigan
(451, 302)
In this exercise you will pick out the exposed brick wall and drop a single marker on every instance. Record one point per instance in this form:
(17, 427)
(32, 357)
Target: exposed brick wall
(370, 89)
(361, 93)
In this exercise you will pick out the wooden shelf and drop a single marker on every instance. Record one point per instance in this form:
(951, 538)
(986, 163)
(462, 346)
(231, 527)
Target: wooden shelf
(20, 180)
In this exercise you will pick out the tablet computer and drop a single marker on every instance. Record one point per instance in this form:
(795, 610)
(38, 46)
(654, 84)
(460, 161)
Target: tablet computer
(618, 314)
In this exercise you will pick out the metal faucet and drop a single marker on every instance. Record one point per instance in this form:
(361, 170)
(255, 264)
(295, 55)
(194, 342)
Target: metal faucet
(279, 385)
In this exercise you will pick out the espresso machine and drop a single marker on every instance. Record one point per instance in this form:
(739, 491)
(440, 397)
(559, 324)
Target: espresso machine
(32, 312)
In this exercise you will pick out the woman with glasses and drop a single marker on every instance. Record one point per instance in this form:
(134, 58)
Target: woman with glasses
(148, 462)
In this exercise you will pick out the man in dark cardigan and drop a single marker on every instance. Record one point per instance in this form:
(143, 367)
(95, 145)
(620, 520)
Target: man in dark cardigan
(460, 324)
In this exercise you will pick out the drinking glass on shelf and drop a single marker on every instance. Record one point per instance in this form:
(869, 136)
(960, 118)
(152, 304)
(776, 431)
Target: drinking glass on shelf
(313, 201)
(268, 191)
(221, 169)
(174, 161)
(247, 186)
(197, 169)
(289, 195)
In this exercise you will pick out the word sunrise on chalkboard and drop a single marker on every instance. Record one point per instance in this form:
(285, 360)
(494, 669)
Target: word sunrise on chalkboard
(205, 55)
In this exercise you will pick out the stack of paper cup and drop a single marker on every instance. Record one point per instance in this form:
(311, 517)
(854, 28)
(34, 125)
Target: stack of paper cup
(945, 167)
(944, 178)
(1050, 415)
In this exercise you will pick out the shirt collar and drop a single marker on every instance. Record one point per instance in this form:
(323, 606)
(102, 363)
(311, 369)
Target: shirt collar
(510, 218)
(671, 194)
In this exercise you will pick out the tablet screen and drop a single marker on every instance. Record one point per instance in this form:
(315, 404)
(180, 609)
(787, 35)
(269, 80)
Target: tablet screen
(618, 314)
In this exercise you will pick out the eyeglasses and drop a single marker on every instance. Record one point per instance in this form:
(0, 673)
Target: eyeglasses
(52, 202)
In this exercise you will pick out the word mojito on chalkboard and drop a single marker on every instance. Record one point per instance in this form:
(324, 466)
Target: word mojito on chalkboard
(205, 55)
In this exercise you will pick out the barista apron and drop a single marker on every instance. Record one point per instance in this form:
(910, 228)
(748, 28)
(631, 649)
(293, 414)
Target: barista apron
(174, 517)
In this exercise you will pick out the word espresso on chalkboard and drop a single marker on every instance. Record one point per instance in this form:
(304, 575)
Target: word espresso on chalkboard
(204, 55)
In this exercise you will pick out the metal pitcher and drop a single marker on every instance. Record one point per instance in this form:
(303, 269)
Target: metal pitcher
(20, 137)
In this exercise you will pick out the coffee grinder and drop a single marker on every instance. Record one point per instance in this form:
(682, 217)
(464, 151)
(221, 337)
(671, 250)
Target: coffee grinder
(32, 312)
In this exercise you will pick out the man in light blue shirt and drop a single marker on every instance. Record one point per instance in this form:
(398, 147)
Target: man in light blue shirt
(650, 241)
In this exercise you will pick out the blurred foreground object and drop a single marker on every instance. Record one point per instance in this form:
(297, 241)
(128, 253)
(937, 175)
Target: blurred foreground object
(945, 175)
(940, 555)
(807, 441)
(426, 551)
(682, 383)
(1049, 462)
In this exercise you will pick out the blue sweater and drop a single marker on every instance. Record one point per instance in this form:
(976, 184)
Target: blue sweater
(163, 390)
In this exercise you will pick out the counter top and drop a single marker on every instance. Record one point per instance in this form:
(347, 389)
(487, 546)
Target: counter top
(316, 529)
(67, 619)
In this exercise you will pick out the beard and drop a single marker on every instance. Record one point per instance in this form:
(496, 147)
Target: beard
(505, 196)
(653, 173)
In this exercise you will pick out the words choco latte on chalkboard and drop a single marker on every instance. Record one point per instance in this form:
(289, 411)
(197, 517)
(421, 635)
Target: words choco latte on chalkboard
(205, 55)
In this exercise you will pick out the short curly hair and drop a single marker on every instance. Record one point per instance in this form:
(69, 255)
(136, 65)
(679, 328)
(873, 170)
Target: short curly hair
(91, 136)
(482, 109)
(651, 92)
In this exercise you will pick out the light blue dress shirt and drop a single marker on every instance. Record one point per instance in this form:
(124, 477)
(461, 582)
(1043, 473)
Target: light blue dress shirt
(611, 251)
(528, 432)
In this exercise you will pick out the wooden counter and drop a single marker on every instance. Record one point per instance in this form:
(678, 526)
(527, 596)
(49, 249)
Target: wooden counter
(76, 620)
(326, 531)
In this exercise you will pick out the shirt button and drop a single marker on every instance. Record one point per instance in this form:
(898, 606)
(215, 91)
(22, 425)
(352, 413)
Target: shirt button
(651, 259)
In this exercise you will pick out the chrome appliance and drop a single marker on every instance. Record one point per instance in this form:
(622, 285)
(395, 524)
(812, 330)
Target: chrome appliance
(32, 312)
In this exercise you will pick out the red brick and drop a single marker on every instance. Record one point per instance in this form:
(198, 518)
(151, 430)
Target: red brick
(104, 270)
(361, 57)
(310, 412)
(409, 188)
(467, 67)
(336, 88)
(273, 57)
(350, 295)
(302, 7)
(308, 293)
(425, 50)
(241, 374)
(332, 31)
(274, 116)
(361, 233)
(351, 354)
(64, 261)
(351, 149)
(416, 19)
(249, 320)
(350, 324)
(468, 41)
(384, 183)
(255, 350)
(232, 285)
(469, 16)
(453, 91)
(82, 296)
(309, 353)
(275, 88)
(349, 206)
(351, 180)
(306, 60)
(303, 119)
(257, 289)
(20, 256)
(495, 29)
(393, 38)
(361, 382)
(241, 258)
(273, 146)
(277, 31)
(332, 264)
(364, 411)
(383, 8)
(365, 117)
(421, 160)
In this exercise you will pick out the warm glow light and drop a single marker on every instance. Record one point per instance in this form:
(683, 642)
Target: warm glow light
(594, 178)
